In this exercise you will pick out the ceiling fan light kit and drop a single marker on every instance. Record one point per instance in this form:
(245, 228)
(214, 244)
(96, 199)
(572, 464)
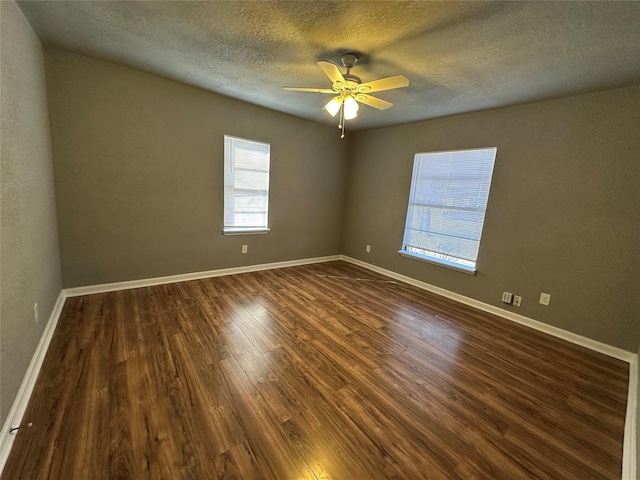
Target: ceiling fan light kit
(349, 90)
(350, 108)
(333, 106)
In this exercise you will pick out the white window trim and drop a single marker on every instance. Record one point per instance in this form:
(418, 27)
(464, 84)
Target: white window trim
(440, 263)
(252, 230)
(245, 231)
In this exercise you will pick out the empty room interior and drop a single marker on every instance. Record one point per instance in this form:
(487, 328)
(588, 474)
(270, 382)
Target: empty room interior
(319, 240)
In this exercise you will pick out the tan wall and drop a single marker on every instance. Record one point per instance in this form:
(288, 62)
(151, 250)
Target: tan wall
(139, 175)
(139, 166)
(29, 259)
(563, 209)
(637, 432)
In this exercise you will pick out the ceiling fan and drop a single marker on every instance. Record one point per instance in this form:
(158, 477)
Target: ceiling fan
(349, 90)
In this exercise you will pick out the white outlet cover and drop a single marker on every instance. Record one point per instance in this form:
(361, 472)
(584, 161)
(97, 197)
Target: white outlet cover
(545, 298)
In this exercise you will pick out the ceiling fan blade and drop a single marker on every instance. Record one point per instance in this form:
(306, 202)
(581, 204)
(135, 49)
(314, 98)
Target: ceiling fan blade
(331, 71)
(397, 81)
(305, 89)
(373, 101)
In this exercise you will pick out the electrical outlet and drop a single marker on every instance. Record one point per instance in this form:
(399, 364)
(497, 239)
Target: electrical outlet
(507, 298)
(245, 248)
(545, 298)
(368, 249)
(36, 313)
(517, 300)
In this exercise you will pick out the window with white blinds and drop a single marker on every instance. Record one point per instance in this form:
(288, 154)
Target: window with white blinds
(447, 204)
(246, 186)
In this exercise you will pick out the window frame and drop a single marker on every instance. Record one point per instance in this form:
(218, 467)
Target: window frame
(229, 164)
(441, 258)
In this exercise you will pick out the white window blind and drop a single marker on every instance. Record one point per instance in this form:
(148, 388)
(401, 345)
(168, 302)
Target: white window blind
(447, 204)
(246, 185)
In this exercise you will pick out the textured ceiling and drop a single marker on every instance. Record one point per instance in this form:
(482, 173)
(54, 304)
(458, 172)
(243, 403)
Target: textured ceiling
(459, 56)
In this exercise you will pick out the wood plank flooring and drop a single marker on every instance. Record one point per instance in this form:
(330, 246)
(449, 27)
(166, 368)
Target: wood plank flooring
(324, 371)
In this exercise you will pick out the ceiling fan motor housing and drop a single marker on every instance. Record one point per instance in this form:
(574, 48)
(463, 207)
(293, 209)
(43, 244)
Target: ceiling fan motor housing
(352, 80)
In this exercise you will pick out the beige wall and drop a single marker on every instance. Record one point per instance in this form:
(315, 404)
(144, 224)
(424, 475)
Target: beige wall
(138, 168)
(139, 175)
(29, 259)
(563, 209)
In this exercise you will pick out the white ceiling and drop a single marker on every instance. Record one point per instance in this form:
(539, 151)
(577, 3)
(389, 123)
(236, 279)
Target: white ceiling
(458, 56)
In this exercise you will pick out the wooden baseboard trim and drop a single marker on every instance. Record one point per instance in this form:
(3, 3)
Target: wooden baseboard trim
(28, 382)
(148, 282)
(629, 449)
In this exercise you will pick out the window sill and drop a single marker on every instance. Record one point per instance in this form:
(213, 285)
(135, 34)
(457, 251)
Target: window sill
(245, 231)
(439, 263)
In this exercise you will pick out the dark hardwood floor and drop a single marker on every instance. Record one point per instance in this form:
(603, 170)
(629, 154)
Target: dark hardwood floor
(324, 371)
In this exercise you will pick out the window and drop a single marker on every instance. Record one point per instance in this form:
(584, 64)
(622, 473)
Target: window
(447, 203)
(246, 186)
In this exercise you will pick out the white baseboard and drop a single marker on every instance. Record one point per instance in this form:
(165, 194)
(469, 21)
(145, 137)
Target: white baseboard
(28, 382)
(609, 350)
(629, 448)
(21, 401)
(148, 282)
(26, 388)
(629, 452)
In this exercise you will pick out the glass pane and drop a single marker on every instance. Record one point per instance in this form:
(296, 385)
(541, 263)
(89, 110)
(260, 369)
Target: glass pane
(246, 180)
(449, 194)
